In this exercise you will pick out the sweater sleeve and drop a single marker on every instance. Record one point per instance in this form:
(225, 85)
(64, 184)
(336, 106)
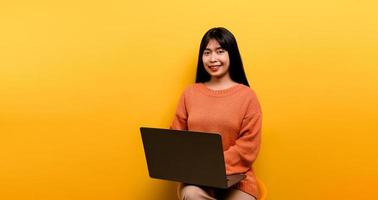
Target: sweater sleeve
(240, 157)
(180, 119)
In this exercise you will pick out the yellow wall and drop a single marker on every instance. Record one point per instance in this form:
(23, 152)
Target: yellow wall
(77, 79)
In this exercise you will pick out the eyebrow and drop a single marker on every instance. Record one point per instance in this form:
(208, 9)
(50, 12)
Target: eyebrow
(215, 49)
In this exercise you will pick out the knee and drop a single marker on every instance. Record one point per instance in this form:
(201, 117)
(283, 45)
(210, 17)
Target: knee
(191, 192)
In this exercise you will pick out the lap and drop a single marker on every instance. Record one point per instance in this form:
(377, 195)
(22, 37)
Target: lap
(186, 192)
(234, 194)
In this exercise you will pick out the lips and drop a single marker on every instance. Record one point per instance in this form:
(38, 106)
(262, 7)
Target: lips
(214, 67)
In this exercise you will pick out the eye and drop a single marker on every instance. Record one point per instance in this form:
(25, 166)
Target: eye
(220, 51)
(206, 53)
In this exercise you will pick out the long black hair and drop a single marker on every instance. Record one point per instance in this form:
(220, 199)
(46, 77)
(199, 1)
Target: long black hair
(228, 42)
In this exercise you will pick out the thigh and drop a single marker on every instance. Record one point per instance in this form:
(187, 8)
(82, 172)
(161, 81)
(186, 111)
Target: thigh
(188, 192)
(235, 194)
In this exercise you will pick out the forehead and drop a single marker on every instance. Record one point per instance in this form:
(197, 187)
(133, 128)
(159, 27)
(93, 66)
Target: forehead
(213, 44)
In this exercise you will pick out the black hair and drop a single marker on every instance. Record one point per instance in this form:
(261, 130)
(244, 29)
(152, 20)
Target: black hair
(228, 42)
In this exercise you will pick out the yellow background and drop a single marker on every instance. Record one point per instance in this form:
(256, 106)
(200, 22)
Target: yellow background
(78, 78)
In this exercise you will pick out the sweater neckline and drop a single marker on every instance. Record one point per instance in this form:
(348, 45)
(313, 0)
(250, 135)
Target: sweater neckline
(223, 92)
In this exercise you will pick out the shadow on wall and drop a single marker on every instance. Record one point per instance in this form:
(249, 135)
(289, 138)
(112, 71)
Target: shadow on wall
(160, 190)
(168, 191)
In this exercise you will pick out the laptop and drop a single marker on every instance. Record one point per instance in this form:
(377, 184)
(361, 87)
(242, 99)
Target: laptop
(187, 156)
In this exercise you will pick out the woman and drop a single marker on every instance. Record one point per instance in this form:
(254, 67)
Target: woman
(221, 101)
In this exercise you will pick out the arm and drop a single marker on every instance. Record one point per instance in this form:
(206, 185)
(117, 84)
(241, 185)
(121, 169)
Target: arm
(240, 157)
(180, 119)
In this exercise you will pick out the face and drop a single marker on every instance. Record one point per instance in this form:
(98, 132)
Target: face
(216, 60)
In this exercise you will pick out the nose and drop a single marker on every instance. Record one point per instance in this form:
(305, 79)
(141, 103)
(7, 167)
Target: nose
(213, 57)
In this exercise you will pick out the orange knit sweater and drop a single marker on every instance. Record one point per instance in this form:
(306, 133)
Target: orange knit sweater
(235, 114)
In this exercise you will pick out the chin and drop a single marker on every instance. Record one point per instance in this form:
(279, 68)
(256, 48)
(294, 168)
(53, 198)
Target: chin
(218, 76)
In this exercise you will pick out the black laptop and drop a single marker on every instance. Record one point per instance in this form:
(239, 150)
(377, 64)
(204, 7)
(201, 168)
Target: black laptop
(187, 156)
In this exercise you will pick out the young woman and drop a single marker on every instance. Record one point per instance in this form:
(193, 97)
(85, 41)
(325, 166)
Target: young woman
(221, 101)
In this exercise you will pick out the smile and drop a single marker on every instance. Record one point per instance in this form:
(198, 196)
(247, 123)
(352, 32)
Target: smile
(214, 67)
